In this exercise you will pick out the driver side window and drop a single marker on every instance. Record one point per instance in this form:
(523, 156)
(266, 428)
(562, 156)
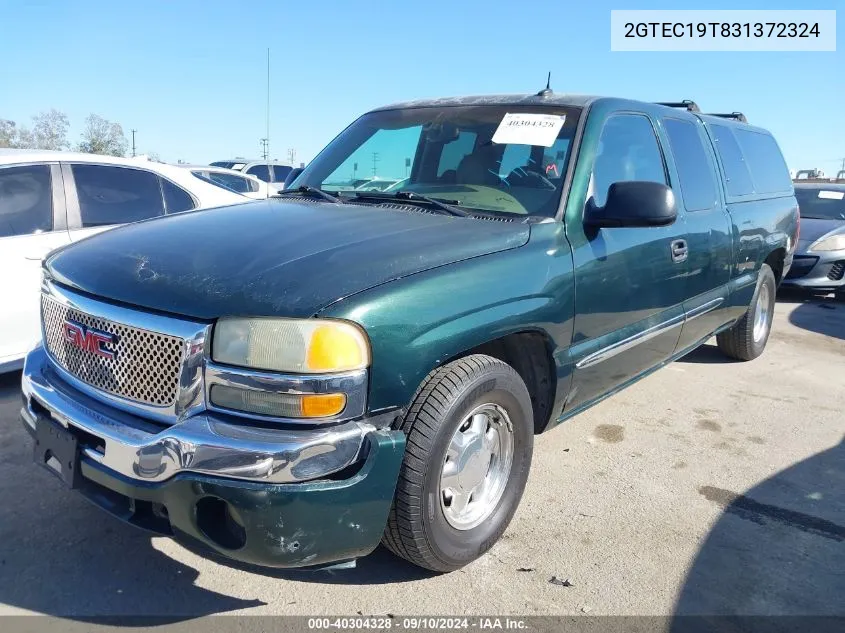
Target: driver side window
(628, 150)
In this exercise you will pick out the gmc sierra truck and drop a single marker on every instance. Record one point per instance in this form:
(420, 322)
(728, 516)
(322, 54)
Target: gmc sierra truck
(291, 382)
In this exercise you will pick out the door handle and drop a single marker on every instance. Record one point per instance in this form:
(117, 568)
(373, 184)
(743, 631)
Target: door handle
(679, 251)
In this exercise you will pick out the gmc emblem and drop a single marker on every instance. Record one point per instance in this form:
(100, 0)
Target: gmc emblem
(89, 339)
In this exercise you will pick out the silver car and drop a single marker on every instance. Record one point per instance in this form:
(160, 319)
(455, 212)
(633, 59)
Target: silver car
(819, 262)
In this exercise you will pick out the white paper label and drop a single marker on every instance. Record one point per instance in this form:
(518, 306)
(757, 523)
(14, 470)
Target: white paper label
(529, 129)
(832, 195)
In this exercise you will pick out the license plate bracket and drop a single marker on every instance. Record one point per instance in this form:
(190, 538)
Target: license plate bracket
(57, 450)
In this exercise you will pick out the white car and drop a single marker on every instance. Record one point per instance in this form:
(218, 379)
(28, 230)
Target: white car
(49, 199)
(241, 183)
(271, 172)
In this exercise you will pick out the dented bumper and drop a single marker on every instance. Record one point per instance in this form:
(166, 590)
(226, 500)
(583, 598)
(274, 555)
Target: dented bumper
(280, 525)
(273, 497)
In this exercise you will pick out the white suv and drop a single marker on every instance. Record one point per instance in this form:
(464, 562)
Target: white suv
(271, 172)
(49, 199)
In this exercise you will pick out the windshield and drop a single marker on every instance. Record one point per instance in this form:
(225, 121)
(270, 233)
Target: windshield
(506, 159)
(228, 164)
(820, 203)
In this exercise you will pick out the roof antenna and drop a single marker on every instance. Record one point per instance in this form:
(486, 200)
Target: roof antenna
(545, 92)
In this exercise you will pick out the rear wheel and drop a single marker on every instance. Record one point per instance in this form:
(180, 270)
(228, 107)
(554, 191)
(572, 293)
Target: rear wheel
(747, 339)
(470, 433)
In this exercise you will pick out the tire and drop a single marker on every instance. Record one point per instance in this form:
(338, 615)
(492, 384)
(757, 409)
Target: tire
(425, 526)
(745, 341)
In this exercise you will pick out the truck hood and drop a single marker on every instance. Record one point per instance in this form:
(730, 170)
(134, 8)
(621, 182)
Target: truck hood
(270, 258)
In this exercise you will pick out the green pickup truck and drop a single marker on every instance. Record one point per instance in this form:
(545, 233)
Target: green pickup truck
(291, 382)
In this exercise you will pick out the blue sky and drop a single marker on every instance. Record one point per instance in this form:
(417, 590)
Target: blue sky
(190, 75)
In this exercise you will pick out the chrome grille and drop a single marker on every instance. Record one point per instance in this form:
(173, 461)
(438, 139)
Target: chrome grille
(145, 366)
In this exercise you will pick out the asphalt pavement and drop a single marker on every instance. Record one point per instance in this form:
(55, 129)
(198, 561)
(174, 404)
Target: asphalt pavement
(711, 486)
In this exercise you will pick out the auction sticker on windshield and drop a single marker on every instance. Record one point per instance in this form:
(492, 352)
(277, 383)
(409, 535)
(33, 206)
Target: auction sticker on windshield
(832, 195)
(522, 128)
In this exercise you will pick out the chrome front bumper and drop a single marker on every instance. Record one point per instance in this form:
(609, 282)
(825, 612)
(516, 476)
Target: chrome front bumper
(204, 443)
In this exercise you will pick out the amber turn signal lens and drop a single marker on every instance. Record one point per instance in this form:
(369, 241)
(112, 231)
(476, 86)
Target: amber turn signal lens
(322, 405)
(281, 405)
(335, 347)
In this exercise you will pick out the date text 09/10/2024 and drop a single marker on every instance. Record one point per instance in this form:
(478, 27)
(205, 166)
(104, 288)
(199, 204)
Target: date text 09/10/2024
(416, 623)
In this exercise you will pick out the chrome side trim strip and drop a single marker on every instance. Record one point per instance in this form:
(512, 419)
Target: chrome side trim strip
(704, 308)
(352, 384)
(632, 341)
(743, 280)
(202, 444)
(617, 348)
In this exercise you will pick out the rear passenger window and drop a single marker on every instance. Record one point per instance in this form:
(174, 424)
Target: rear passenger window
(26, 200)
(768, 169)
(698, 187)
(262, 172)
(176, 199)
(280, 172)
(628, 150)
(737, 177)
(116, 195)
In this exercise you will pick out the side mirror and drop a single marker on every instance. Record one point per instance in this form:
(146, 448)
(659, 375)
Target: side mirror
(633, 203)
(292, 175)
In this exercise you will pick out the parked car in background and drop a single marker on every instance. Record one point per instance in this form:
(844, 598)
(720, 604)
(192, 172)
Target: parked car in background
(50, 199)
(236, 181)
(819, 262)
(377, 184)
(364, 184)
(271, 172)
(333, 369)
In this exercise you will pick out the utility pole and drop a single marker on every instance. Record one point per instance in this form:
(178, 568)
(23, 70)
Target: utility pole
(375, 162)
(267, 135)
(133, 143)
(265, 148)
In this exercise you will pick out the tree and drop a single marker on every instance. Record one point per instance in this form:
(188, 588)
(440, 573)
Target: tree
(103, 137)
(8, 133)
(49, 131)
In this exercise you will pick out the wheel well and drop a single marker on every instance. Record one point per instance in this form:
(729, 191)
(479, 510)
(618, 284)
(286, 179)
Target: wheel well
(529, 353)
(775, 261)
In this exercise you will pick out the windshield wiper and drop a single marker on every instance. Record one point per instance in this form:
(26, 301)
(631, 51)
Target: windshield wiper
(313, 191)
(445, 206)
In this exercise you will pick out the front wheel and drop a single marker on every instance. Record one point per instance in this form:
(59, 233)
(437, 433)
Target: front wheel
(747, 339)
(470, 433)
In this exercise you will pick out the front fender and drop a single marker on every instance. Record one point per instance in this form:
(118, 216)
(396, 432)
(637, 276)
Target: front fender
(422, 321)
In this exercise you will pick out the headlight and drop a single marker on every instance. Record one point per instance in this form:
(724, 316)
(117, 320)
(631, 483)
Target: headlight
(832, 243)
(301, 346)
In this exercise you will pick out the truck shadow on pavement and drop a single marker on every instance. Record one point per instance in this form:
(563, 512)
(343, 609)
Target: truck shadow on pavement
(61, 556)
(706, 354)
(815, 313)
(777, 549)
